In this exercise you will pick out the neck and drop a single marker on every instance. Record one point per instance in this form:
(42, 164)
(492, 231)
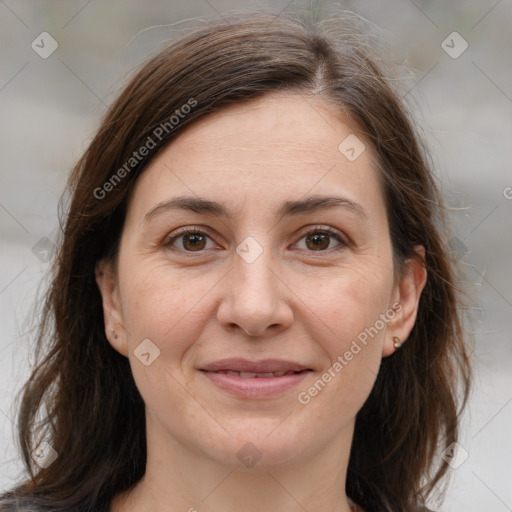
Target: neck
(179, 478)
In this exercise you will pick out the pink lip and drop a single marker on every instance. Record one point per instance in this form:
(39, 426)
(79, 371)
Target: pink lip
(256, 387)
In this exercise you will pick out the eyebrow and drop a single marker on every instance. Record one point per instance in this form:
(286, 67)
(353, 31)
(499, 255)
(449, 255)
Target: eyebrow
(289, 208)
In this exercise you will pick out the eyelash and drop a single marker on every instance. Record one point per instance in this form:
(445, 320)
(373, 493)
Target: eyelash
(319, 229)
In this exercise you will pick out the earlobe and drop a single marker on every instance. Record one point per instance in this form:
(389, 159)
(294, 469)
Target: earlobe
(408, 293)
(109, 290)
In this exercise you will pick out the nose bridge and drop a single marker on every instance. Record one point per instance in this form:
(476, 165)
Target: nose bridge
(255, 300)
(252, 273)
(254, 284)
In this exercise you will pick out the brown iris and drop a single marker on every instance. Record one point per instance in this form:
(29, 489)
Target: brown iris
(320, 241)
(195, 241)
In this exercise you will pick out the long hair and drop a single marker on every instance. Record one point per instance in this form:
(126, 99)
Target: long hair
(93, 413)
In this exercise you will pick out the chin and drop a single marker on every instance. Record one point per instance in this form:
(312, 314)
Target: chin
(257, 446)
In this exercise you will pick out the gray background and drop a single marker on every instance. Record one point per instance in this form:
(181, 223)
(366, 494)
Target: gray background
(51, 107)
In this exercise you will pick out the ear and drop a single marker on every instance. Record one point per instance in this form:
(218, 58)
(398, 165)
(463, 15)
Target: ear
(109, 289)
(406, 298)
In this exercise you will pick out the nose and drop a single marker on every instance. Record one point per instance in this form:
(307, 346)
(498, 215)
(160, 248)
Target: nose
(255, 299)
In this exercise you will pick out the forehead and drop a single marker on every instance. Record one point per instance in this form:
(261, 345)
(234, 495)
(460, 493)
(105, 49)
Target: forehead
(276, 124)
(284, 145)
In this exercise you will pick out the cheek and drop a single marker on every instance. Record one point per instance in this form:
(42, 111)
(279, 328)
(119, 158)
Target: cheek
(355, 308)
(162, 304)
(352, 302)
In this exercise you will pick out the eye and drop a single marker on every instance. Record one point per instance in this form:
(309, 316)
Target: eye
(319, 239)
(193, 240)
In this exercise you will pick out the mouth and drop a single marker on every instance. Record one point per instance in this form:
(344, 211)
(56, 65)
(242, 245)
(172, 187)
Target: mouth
(253, 380)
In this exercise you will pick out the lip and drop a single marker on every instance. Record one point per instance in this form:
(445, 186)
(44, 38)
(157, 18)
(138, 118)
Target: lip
(254, 387)
(263, 366)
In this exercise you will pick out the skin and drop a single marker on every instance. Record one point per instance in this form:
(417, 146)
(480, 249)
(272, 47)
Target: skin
(293, 302)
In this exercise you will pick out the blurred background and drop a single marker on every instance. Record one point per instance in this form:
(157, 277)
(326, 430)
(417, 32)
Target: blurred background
(62, 63)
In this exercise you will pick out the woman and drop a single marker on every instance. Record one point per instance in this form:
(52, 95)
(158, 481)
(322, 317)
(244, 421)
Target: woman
(252, 306)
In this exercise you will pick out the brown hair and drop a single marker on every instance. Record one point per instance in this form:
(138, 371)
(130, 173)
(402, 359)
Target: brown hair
(94, 413)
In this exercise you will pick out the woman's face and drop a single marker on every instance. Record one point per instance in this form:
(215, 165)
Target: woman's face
(261, 281)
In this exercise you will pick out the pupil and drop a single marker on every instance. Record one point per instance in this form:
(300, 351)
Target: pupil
(196, 240)
(321, 238)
